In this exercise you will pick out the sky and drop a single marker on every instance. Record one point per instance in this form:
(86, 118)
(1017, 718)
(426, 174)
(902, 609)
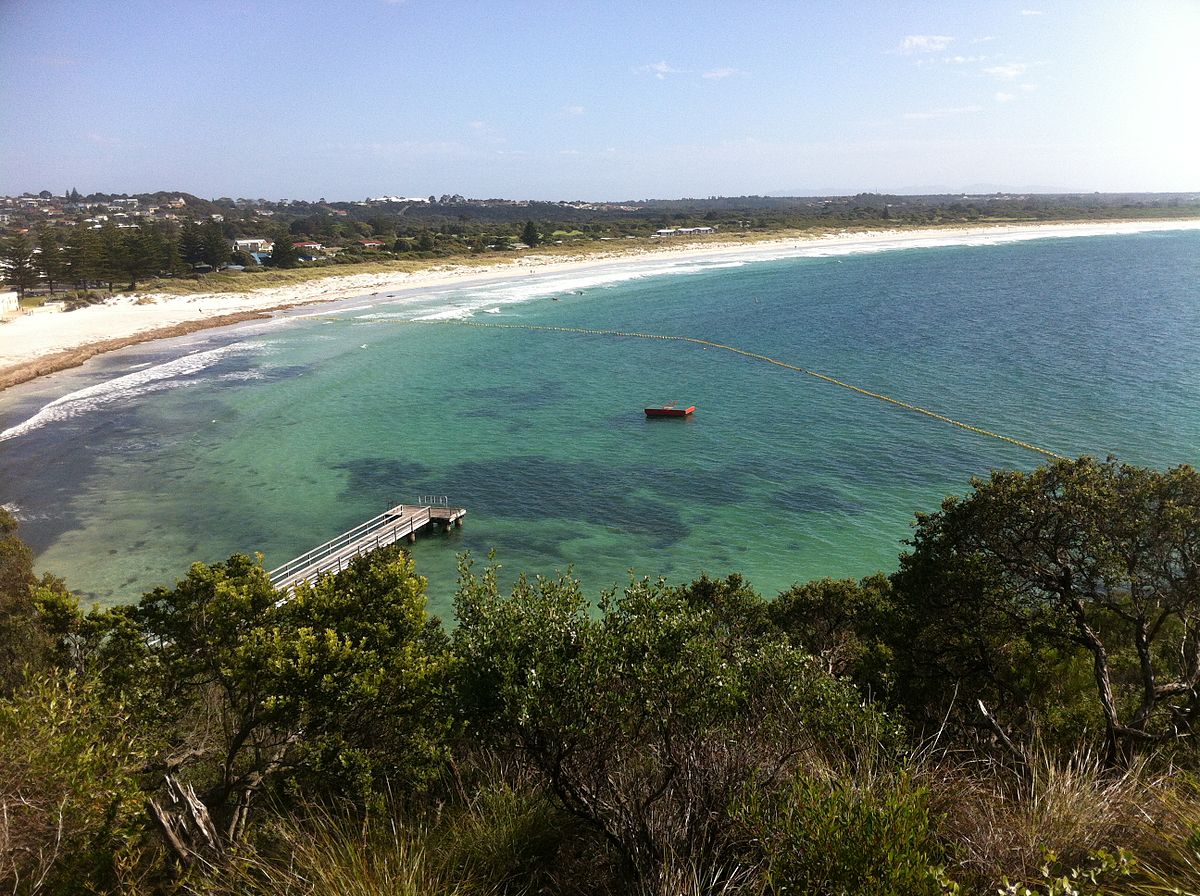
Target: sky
(609, 100)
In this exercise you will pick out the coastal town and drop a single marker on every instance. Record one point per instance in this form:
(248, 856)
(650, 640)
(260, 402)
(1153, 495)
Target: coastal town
(94, 244)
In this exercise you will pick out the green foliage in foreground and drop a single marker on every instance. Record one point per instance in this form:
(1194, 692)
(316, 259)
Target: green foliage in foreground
(650, 720)
(220, 737)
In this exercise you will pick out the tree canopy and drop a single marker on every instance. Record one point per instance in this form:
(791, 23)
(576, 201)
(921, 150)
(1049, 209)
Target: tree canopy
(848, 737)
(1007, 589)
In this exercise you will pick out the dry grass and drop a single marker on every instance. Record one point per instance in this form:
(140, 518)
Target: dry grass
(234, 281)
(240, 281)
(1002, 823)
(1169, 845)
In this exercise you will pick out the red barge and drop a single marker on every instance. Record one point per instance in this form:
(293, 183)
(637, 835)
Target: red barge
(671, 409)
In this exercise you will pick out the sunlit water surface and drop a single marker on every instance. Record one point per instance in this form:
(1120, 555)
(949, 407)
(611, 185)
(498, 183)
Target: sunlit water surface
(274, 437)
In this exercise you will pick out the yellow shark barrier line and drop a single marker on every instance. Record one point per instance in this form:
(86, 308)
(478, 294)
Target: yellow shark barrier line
(917, 409)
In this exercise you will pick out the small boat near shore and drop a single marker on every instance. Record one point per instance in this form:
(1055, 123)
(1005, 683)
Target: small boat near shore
(670, 409)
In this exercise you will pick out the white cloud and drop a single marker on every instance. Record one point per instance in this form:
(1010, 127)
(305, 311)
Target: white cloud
(1032, 12)
(1009, 72)
(941, 113)
(924, 43)
(956, 59)
(660, 70)
(1002, 97)
(573, 110)
(718, 73)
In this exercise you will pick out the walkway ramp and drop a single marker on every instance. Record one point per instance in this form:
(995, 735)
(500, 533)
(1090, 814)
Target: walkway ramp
(403, 521)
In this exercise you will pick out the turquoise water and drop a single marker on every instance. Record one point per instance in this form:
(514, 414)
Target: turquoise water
(276, 437)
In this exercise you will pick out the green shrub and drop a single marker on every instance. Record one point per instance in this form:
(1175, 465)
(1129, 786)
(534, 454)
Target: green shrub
(71, 815)
(830, 837)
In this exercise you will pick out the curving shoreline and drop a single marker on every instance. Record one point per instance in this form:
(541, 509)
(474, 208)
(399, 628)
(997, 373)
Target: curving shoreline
(39, 343)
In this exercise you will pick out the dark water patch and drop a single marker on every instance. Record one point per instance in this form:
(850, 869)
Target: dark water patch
(266, 373)
(375, 479)
(532, 540)
(128, 446)
(539, 487)
(812, 497)
(504, 399)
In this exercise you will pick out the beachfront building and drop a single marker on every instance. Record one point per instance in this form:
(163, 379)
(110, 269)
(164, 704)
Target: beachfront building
(9, 303)
(308, 250)
(253, 244)
(683, 231)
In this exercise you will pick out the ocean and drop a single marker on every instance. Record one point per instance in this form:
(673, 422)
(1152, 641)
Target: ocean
(273, 437)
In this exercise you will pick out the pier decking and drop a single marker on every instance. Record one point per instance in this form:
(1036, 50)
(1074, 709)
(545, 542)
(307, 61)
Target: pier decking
(403, 521)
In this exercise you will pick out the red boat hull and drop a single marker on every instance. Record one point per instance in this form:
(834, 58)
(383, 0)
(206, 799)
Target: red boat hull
(669, 412)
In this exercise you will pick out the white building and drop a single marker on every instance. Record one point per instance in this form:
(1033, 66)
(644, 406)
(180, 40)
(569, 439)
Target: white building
(253, 244)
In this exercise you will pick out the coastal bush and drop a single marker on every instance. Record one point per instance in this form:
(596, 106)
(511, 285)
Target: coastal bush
(648, 720)
(36, 614)
(833, 836)
(71, 817)
(844, 624)
(691, 739)
(339, 690)
(1066, 598)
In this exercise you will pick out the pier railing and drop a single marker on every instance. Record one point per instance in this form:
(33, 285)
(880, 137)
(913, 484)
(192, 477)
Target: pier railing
(380, 531)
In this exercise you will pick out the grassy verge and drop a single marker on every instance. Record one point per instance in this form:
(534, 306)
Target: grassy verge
(242, 281)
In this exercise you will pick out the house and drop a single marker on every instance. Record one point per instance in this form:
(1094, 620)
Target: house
(682, 231)
(308, 246)
(9, 303)
(372, 244)
(253, 244)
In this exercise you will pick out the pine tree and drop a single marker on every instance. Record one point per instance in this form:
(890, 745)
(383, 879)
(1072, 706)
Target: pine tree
(529, 235)
(284, 254)
(18, 266)
(191, 243)
(143, 253)
(49, 259)
(173, 262)
(216, 247)
(82, 256)
(113, 257)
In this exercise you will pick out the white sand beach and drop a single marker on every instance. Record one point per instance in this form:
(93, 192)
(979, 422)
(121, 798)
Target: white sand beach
(39, 342)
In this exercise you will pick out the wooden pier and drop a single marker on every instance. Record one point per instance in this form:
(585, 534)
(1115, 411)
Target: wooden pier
(403, 521)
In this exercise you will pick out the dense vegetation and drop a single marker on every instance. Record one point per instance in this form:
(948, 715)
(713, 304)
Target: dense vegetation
(102, 241)
(1014, 710)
